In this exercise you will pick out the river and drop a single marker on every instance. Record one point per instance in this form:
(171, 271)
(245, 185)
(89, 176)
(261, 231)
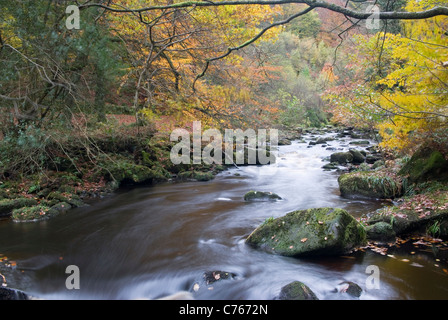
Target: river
(148, 242)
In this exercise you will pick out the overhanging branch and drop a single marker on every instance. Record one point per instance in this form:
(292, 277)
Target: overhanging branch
(433, 12)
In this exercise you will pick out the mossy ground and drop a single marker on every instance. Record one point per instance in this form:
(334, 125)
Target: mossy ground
(415, 213)
(380, 184)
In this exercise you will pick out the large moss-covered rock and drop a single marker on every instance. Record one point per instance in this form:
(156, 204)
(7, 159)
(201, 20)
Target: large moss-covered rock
(297, 291)
(320, 231)
(370, 184)
(426, 164)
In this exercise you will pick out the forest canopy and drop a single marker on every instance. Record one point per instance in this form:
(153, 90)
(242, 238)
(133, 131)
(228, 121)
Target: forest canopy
(227, 64)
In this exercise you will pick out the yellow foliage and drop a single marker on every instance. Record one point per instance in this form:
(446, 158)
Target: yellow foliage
(407, 92)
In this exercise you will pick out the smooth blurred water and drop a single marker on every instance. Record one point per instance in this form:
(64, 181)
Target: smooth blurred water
(155, 241)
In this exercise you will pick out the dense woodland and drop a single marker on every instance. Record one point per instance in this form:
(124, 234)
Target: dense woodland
(89, 106)
(90, 91)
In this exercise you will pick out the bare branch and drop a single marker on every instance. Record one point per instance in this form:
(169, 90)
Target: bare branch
(433, 12)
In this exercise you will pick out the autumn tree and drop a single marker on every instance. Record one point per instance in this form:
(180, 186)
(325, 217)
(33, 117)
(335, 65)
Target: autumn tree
(399, 83)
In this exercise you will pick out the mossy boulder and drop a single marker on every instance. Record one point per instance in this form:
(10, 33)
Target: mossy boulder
(35, 213)
(422, 213)
(39, 212)
(127, 172)
(330, 166)
(370, 184)
(8, 205)
(56, 197)
(341, 157)
(196, 175)
(297, 291)
(284, 142)
(426, 164)
(360, 142)
(319, 231)
(381, 231)
(350, 288)
(358, 157)
(261, 196)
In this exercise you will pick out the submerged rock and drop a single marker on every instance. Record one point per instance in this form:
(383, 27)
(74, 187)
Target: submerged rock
(297, 291)
(360, 142)
(358, 157)
(320, 231)
(261, 196)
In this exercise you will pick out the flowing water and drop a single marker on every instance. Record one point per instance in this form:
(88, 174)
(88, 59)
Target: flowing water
(149, 242)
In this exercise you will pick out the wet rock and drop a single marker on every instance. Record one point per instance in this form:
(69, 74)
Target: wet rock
(261, 196)
(380, 231)
(8, 205)
(319, 231)
(12, 294)
(210, 278)
(330, 166)
(372, 158)
(360, 142)
(377, 164)
(297, 291)
(370, 184)
(358, 157)
(341, 157)
(284, 142)
(196, 175)
(350, 288)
